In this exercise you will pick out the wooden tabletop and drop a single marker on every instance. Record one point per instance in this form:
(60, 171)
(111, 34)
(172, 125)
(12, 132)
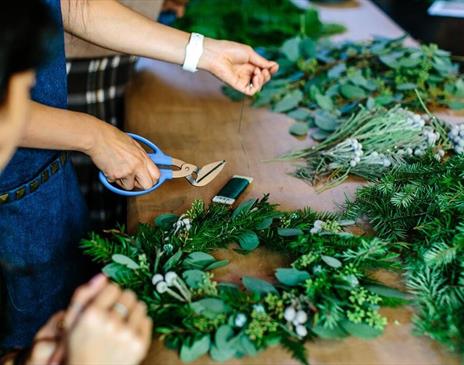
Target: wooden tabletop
(188, 118)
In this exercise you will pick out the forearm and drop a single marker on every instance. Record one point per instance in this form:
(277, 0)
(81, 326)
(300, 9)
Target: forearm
(110, 24)
(58, 129)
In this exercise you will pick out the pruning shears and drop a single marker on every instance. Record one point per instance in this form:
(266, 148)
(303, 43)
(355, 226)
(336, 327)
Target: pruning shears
(197, 176)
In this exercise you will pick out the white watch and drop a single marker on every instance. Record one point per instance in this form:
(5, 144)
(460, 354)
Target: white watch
(193, 52)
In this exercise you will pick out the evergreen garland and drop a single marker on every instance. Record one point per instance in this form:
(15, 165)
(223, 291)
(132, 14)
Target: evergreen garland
(327, 291)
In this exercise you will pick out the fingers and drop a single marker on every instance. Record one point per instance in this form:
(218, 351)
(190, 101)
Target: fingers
(254, 82)
(145, 330)
(266, 75)
(46, 347)
(127, 183)
(124, 305)
(107, 297)
(81, 298)
(259, 60)
(154, 172)
(52, 328)
(138, 314)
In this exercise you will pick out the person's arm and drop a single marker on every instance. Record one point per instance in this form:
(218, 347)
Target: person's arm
(109, 24)
(119, 157)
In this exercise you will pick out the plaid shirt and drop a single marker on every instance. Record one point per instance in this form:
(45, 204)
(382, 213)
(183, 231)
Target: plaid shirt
(97, 87)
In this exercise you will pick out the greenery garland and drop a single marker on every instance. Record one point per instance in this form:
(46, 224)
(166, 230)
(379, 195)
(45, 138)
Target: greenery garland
(254, 22)
(327, 291)
(321, 84)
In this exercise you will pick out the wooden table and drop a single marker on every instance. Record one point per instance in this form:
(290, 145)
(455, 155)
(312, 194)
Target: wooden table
(188, 117)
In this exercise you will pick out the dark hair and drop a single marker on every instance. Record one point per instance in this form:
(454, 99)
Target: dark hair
(25, 27)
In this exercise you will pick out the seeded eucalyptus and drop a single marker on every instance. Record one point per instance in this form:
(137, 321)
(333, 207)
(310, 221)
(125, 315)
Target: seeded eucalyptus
(321, 84)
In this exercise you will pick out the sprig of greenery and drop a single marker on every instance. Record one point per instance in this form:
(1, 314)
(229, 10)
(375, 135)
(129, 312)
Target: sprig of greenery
(254, 22)
(321, 84)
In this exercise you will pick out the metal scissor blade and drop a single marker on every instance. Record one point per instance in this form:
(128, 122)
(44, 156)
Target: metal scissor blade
(207, 173)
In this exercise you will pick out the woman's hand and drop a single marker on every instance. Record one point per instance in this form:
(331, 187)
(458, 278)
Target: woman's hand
(110, 327)
(46, 341)
(122, 159)
(237, 65)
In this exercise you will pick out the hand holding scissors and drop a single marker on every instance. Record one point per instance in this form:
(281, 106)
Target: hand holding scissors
(197, 176)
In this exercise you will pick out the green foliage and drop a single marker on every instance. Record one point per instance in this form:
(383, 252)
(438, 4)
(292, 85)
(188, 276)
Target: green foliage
(422, 204)
(254, 22)
(327, 284)
(329, 81)
(370, 144)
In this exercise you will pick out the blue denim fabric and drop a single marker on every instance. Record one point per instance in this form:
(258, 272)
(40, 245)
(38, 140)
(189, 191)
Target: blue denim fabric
(51, 89)
(39, 234)
(39, 243)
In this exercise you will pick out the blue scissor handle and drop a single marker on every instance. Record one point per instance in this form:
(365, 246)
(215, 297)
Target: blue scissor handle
(158, 157)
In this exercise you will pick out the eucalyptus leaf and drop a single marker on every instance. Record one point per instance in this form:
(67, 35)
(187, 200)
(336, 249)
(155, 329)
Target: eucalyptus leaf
(223, 335)
(319, 135)
(361, 330)
(216, 265)
(291, 277)
(325, 121)
(352, 92)
(289, 101)
(199, 348)
(324, 101)
(387, 292)
(193, 278)
(291, 48)
(289, 232)
(198, 260)
(117, 272)
(221, 354)
(258, 286)
(243, 208)
(307, 48)
(264, 224)
(172, 261)
(336, 71)
(210, 307)
(299, 129)
(125, 261)
(166, 221)
(248, 240)
(246, 346)
(331, 261)
(329, 333)
(300, 114)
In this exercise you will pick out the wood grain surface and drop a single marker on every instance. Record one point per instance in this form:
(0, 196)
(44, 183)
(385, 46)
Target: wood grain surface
(187, 117)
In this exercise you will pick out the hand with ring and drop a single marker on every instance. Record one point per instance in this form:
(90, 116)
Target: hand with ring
(103, 325)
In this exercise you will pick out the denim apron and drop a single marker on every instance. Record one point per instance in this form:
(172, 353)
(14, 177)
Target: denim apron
(42, 219)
